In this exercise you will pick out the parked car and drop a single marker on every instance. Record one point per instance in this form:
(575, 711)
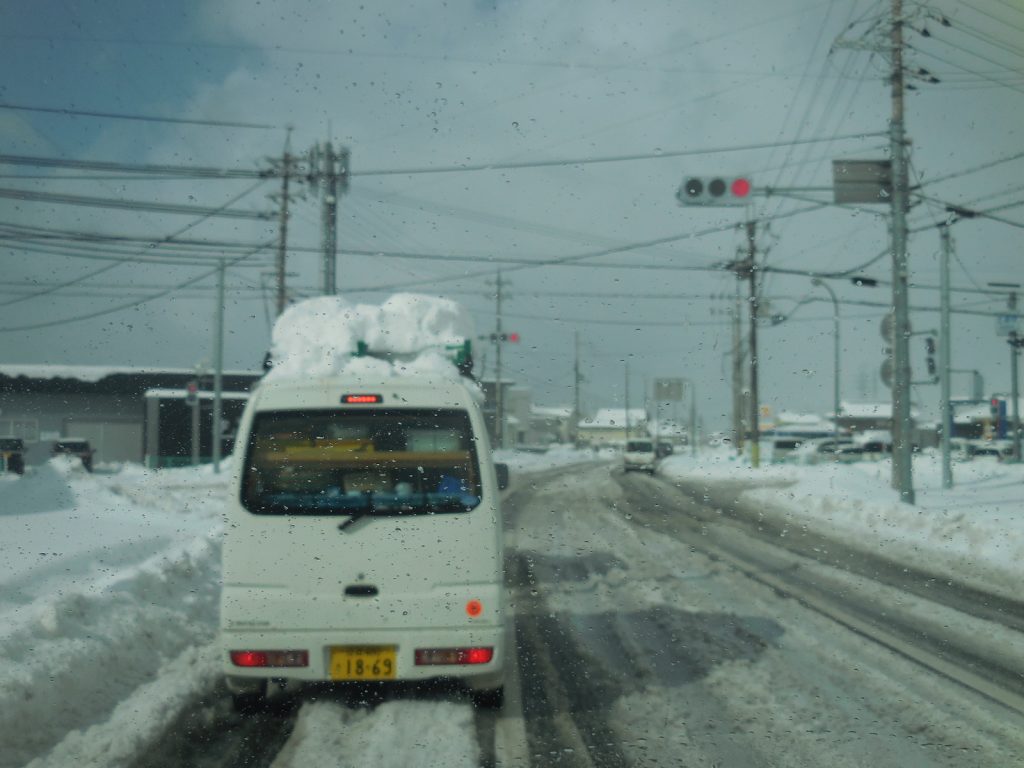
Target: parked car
(12, 455)
(639, 455)
(75, 446)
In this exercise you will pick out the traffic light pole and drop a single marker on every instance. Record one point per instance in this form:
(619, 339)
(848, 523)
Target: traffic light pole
(755, 415)
(218, 369)
(576, 388)
(1015, 343)
(945, 361)
(738, 425)
(499, 400)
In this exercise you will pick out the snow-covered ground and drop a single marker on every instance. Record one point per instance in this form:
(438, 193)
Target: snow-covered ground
(555, 456)
(109, 588)
(973, 532)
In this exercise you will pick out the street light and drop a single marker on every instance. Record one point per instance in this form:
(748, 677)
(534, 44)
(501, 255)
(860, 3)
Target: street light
(819, 283)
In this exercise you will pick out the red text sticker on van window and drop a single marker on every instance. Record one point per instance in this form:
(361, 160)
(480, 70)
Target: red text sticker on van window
(474, 608)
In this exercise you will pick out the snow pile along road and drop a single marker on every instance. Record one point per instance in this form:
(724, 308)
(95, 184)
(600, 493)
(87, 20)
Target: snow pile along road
(108, 584)
(973, 532)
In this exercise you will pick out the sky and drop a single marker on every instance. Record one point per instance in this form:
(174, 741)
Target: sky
(419, 86)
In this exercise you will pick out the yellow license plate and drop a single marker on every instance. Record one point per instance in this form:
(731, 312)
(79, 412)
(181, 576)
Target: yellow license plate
(363, 662)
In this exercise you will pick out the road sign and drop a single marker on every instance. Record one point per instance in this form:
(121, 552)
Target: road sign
(1007, 324)
(861, 181)
(668, 390)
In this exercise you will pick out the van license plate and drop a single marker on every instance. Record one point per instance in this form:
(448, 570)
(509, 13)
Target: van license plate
(363, 662)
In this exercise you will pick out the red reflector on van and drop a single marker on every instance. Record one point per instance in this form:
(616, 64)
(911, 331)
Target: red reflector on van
(270, 658)
(362, 398)
(431, 656)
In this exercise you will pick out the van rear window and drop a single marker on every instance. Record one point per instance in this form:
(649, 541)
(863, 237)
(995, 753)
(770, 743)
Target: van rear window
(349, 461)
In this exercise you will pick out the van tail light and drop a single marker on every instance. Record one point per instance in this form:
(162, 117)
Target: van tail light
(431, 656)
(270, 658)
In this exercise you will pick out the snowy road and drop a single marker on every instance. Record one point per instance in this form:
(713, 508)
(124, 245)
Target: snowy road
(662, 652)
(654, 625)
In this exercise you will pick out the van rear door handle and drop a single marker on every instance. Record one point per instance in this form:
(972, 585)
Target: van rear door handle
(361, 590)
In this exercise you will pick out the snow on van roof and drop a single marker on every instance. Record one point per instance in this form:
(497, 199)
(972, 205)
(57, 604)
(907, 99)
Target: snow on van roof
(319, 337)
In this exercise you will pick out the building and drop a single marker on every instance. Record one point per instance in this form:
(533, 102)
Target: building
(105, 405)
(608, 427)
(550, 424)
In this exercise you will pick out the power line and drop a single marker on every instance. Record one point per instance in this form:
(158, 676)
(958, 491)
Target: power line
(156, 169)
(138, 302)
(968, 171)
(131, 205)
(109, 267)
(607, 159)
(144, 118)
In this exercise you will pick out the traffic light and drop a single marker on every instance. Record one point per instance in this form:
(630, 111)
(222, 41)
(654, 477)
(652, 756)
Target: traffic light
(929, 345)
(513, 337)
(714, 190)
(192, 392)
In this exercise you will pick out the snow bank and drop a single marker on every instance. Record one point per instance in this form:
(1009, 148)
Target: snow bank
(974, 532)
(319, 337)
(109, 586)
(555, 456)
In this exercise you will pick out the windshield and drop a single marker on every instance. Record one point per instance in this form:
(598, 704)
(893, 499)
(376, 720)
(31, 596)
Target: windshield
(367, 462)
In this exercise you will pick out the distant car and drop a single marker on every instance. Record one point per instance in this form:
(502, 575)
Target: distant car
(73, 446)
(12, 455)
(1001, 449)
(639, 455)
(664, 449)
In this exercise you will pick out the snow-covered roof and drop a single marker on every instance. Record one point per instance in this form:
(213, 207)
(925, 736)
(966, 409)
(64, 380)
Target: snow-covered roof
(870, 411)
(203, 394)
(551, 411)
(614, 417)
(94, 373)
(803, 419)
(666, 428)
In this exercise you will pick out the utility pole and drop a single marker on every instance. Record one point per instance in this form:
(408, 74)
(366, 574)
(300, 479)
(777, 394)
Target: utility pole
(330, 169)
(330, 221)
(1015, 344)
(747, 268)
(576, 388)
(218, 366)
(499, 400)
(945, 360)
(737, 374)
(627, 401)
(902, 452)
(282, 246)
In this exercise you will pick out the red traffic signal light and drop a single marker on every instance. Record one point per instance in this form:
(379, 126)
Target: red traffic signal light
(513, 337)
(714, 190)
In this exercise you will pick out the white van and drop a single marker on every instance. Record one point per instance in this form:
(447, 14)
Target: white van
(364, 539)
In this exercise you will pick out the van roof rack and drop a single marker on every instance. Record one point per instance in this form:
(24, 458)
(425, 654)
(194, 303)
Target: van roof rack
(461, 355)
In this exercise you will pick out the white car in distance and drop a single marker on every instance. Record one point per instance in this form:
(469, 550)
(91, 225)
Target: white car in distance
(640, 456)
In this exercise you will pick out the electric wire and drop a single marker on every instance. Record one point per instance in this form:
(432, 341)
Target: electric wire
(109, 267)
(143, 118)
(25, 195)
(137, 302)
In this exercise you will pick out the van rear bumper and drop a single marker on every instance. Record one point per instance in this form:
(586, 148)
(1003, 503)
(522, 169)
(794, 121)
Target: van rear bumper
(319, 644)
